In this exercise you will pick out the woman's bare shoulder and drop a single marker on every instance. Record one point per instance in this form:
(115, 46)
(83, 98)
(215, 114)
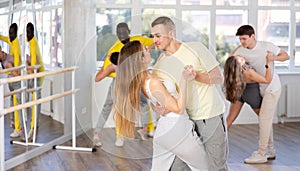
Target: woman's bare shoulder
(155, 82)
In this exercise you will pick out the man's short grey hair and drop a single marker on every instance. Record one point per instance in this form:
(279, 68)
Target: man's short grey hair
(166, 21)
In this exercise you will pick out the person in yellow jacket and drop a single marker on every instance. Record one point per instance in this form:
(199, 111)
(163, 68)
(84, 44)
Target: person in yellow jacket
(15, 52)
(35, 58)
(123, 33)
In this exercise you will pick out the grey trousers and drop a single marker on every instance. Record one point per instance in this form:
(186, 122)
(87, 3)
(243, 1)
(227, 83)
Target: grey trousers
(213, 134)
(176, 137)
(108, 104)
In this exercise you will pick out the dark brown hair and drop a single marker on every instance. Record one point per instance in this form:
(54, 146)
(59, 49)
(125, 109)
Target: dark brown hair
(245, 30)
(233, 79)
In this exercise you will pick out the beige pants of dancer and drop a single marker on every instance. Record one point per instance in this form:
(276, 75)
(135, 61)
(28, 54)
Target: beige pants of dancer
(266, 115)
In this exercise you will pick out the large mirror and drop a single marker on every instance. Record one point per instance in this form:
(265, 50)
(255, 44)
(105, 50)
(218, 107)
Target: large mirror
(47, 24)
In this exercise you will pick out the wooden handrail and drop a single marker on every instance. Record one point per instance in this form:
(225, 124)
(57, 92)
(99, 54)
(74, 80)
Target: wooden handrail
(40, 74)
(33, 67)
(3, 71)
(15, 92)
(33, 89)
(36, 102)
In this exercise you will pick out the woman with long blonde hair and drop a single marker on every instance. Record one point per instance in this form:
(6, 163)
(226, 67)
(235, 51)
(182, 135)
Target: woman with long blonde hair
(175, 135)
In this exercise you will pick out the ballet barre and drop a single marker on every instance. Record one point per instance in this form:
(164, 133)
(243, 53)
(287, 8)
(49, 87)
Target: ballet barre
(4, 111)
(73, 147)
(31, 76)
(18, 91)
(34, 91)
(3, 71)
(36, 102)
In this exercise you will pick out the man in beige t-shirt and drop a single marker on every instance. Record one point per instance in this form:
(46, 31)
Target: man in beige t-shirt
(204, 104)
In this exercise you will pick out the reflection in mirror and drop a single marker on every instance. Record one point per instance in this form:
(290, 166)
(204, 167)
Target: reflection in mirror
(4, 7)
(106, 22)
(50, 126)
(48, 130)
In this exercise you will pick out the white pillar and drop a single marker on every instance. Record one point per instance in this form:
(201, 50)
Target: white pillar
(80, 50)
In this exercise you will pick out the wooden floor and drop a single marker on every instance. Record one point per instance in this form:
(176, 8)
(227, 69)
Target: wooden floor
(136, 155)
(48, 130)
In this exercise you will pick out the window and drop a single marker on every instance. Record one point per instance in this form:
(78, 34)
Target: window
(297, 43)
(46, 16)
(150, 14)
(159, 2)
(195, 26)
(4, 7)
(41, 3)
(57, 2)
(274, 27)
(45, 37)
(196, 2)
(227, 22)
(110, 2)
(47, 22)
(56, 38)
(232, 2)
(274, 3)
(213, 22)
(106, 22)
(4, 31)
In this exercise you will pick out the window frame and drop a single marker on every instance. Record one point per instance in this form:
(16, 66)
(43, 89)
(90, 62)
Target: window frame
(251, 6)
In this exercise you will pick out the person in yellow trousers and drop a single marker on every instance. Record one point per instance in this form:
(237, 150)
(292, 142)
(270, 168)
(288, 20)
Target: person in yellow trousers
(35, 58)
(15, 52)
(123, 33)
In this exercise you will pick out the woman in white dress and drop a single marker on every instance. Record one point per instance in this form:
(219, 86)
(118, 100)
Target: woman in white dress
(175, 135)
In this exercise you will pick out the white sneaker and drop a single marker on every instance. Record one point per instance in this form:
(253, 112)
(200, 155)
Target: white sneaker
(151, 133)
(119, 142)
(15, 134)
(96, 139)
(256, 158)
(142, 134)
(271, 154)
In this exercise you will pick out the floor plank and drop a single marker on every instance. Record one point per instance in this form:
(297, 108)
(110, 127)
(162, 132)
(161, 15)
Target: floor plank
(136, 154)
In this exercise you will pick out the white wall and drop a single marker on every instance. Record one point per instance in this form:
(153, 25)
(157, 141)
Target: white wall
(79, 49)
(57, 105)
(287, 78)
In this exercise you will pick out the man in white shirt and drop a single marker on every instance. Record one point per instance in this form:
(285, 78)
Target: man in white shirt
(256, 52)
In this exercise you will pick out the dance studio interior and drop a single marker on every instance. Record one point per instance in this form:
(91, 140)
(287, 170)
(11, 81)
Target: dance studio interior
(74, 37)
